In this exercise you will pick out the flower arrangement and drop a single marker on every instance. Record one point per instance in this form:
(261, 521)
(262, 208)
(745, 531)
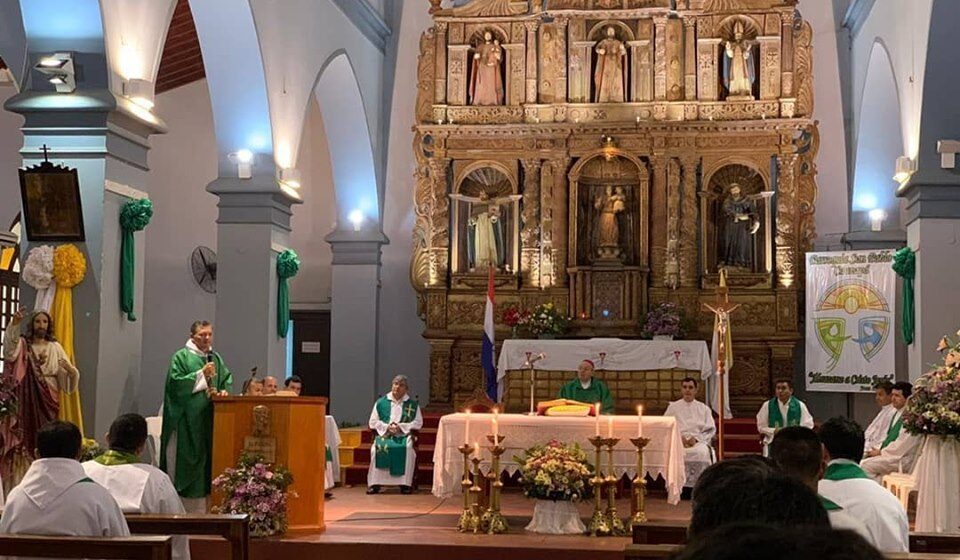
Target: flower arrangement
(90, 450)
(258, 489)
(665, 319)
(545, 319)
(934, 406)
(555, 472)
(8, 395)
(514, 316)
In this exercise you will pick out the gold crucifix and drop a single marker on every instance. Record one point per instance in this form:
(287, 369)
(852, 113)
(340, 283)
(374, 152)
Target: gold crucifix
(721, 311)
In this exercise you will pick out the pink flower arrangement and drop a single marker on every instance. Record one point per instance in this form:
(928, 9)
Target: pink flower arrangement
(934, 406)
(555, 472)
(258, 489)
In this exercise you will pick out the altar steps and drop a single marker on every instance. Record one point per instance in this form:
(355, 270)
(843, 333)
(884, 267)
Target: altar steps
(355, 452)
(740, 437)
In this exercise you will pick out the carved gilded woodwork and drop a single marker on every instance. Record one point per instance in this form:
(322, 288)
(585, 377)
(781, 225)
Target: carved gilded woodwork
(677, 131)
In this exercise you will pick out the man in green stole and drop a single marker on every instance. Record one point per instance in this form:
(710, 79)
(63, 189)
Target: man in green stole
(899, 449)
(781, 411)
(392, 458)
(846, 484)
(799, 454)
(588, 389)
(196, 374)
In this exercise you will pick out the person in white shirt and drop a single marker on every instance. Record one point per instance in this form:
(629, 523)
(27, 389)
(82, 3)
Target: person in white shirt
(846, 484)
(136, 486)
(798, 453)
(56, 497)
(392, 458)
(781, 411)
(899, 449)
(877, 430)
(697, 428)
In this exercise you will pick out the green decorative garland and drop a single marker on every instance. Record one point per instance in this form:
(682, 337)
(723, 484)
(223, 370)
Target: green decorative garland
(134, 216)
(905, 265)
(288, 264)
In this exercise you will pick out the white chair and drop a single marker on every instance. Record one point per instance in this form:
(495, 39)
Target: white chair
(901, 484)
(154, 427)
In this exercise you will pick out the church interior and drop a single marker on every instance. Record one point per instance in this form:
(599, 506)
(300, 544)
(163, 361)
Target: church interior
(600, 267)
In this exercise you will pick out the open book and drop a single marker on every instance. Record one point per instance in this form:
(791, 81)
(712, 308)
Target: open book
(565, 407)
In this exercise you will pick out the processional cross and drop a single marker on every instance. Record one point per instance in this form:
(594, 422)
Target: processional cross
(721, 310)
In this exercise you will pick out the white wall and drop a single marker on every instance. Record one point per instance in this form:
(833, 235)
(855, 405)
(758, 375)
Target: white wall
(11, 139)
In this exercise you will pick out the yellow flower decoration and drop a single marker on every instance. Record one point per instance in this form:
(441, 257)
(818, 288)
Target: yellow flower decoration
(69, 266)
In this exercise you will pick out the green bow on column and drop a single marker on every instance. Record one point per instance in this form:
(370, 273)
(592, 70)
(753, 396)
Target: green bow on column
(905, 265)
(288, 264)
(134, 216)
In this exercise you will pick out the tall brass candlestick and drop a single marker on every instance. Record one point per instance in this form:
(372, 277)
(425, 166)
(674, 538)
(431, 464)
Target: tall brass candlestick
(599, 525)
(475, 491)
(493, 521)
(613, 520)
(467, 520)
(639, 483)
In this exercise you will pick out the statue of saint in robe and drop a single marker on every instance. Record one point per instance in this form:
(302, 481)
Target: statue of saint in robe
(486, 83)
(609, 204)
(486, 233)
(741, 222)
(608, 76)
(738, 71)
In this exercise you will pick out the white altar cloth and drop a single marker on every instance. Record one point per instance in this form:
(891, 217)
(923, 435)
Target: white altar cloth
(620, 355)
(662, 456)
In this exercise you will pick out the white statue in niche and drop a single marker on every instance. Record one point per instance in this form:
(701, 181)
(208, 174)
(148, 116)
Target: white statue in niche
(608, 76)
(486, 230)
(738, 72)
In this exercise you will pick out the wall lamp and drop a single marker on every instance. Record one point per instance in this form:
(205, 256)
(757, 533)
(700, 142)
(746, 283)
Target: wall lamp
(356, 218)
(904, 169)
(244, 160)
(948, 153)
(139, 92)
(59, 70)
(877, 216)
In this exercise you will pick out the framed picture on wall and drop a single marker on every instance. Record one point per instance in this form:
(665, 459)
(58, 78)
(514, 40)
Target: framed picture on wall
(51, 203)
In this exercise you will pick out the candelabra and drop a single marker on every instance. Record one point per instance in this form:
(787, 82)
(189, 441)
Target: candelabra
(467, 520)
(493, 521)
(475, 491)
(613, 520)
(599, 524)
(638, 503)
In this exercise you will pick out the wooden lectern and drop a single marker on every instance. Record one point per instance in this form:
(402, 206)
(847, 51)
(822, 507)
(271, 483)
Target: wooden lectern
(290, 428)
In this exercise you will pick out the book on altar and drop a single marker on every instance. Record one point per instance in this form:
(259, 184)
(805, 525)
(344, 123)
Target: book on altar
(565, 407)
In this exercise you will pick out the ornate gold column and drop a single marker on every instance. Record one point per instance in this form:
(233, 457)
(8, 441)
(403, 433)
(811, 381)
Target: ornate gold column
(658, 220)
(660, 58)
(530, 223)
(553, 223)
(689, 271)
(531, 93)
(690, 58)
(440, 88)
(672, 264)
(674, 60)
(561, 27)
(786, 221)
(440, 372)
(440, 219)
(786, 35)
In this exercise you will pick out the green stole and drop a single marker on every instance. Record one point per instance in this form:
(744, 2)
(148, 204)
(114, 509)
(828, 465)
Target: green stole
(893, 432)
(114, 457)
(775, 419)
(391, 451)
(844, 471)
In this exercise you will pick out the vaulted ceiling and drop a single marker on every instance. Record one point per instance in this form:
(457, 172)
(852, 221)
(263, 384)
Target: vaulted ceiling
(181, 62)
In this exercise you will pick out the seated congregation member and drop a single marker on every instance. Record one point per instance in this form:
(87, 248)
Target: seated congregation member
(876, 432)
(269, 385)
(392, 458)
(294, 384)
(588, 389)
(757, 541)
(253, 387)
(798, 453)
(697, 428)
(56, 497)
(781, 411)
(845, 484)
(899, 449)
(136, 486)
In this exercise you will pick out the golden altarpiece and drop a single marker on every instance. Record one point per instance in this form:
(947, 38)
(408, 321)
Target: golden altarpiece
(607, 155)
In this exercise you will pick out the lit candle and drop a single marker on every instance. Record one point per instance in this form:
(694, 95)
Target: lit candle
(466, 432)
(640, 420)
(610, 426)
(496, 427)
(476, 449)
(596, 408)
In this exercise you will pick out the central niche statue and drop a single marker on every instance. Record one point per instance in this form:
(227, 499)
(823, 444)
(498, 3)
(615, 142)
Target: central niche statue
(741, 222)
(609, 204)
(738, 72)
(609, 75)
(486, 235)
(486, 83)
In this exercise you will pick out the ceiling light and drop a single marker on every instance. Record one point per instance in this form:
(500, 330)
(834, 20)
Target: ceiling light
(59, 68)
(356, 217)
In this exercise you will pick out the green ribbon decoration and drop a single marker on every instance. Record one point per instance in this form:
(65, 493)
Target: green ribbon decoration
(134, 216)
(905, 265)
(288, 264)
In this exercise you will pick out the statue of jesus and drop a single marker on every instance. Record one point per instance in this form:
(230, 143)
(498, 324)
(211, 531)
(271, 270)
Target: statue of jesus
(608, 76)
(609, 204)
(486, 238)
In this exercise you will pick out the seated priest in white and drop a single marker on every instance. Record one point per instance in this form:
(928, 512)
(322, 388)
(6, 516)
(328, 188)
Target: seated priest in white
(697, 428)
(56, 497)
(136, 486)
(876, 432)
(899, 449)
(781, 411)
(847, 485)
(392, 459)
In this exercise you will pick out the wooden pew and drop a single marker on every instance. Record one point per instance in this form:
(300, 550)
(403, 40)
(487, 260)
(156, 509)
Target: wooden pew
(935, 543)
(660, 532)
(234, 528)
(127, 548)
(664, 551)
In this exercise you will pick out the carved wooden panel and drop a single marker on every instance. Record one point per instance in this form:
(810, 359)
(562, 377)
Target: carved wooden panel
(457, 77)
(770, 71)
(674, 60)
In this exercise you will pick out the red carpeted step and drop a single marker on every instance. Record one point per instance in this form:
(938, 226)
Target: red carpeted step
(741, 444)
(740, 426)
(428, 436)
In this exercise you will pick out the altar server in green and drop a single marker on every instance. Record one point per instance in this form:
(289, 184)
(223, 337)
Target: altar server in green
(588, 389)
(781, 411)
(392, 458)
(196, 374)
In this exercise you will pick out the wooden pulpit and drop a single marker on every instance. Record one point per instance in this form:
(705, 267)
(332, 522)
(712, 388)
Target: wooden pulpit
(289, 428)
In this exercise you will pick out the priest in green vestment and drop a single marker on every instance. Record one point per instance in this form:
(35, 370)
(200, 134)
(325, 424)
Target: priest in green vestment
(781, 411)
(588, 389)
(196, 374)
(392, 458)
(900, 449)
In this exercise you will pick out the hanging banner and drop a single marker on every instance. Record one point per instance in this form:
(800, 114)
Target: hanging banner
(850, 320)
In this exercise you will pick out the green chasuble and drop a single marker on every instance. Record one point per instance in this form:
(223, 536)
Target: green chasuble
(190, 415)
(775, 419)
(893, 431)
(596, 393)
(391, 451)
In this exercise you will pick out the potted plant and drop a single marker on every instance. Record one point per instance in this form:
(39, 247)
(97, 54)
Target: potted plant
(663, 322)
(545, 321)
(556, 476)
(258, 489)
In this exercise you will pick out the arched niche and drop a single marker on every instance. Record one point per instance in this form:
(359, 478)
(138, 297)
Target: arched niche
(736, 212)
(726, 31)
(485, 205)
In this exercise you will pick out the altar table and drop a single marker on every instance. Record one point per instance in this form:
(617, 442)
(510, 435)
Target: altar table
(663, 456)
